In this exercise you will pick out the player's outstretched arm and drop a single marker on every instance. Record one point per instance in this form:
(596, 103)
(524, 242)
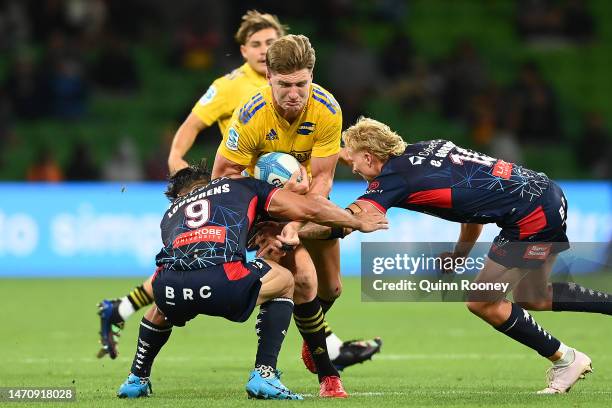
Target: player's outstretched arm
(182, 142)
(364, 211)
(287, 205)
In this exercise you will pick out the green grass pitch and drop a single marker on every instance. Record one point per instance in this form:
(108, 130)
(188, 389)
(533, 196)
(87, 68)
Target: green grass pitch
(433, 354)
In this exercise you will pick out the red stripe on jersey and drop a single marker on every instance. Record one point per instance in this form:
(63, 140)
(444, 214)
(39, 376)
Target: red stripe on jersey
(252, 210)
(532, 223)
(440, 197)
(157, 271)
(235, 270)
(375, 204)
(270, 198)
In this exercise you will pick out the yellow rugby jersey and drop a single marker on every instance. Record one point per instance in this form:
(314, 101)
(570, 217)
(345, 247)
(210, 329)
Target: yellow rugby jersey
(225, 94)
(257, 128)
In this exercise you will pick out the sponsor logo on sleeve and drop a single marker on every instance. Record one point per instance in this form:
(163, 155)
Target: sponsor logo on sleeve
(232, 139)
(373, 187)
(502, 169)
(208, 96)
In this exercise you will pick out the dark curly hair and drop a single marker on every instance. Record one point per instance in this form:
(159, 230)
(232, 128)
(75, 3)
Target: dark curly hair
(184, 179)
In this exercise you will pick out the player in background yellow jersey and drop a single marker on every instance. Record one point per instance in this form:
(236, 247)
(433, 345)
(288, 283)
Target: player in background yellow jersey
(295, 116)
(255, 34)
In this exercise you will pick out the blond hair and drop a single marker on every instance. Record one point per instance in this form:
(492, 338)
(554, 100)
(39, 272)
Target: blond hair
(372, 135)
(289, 54)
(254, 21)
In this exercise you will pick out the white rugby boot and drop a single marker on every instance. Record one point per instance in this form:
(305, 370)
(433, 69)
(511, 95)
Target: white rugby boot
(561, 379)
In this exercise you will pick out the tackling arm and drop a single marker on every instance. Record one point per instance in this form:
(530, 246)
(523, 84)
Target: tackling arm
(364, 211)
(288, 205)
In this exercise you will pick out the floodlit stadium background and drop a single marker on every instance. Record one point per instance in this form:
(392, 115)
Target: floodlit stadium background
(91, 93)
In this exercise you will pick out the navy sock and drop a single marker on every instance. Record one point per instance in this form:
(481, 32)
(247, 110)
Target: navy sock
(151, 338)
(571, 297)
(310, 321)
(521, 327)
(272, 324)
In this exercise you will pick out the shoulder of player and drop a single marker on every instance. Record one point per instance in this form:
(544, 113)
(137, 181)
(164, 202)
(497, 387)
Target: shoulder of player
(321, 96)
(249, 107)
(230, 81)
(234, 74)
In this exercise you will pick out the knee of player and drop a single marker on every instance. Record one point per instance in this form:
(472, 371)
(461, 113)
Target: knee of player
(337, 289)
(478, 308)
(288, 284)
(330, 292)
(305, 279)
(156, 316)
(305, 287)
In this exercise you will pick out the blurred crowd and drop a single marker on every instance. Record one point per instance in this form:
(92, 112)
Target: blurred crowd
(63, 53)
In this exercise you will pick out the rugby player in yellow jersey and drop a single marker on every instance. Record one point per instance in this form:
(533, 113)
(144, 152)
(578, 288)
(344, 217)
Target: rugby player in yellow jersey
(295, 116)
(255, 34)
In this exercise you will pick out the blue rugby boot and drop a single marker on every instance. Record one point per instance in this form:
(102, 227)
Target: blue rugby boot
(135, 387)
(110, 326)
(266, 384)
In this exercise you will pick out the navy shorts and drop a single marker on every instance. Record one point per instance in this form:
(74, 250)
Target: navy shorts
(227, 290)
(538, 234)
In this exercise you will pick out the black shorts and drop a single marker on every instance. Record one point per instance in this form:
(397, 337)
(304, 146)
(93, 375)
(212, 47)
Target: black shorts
(227, 290)
(536, 235)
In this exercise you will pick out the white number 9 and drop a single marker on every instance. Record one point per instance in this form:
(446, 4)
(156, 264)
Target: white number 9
(197, 213)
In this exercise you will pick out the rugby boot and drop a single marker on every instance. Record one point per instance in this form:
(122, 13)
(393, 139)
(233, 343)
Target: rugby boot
(110, 327)
(351, 353)
(269, 387)
(331, 387)
(561, 379)
(135, 387)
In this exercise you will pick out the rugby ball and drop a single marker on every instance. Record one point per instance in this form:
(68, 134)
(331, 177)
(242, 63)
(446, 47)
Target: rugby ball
(275, 168)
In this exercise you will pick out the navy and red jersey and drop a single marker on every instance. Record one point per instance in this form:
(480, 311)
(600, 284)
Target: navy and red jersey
(439, 178)
(209, 226)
